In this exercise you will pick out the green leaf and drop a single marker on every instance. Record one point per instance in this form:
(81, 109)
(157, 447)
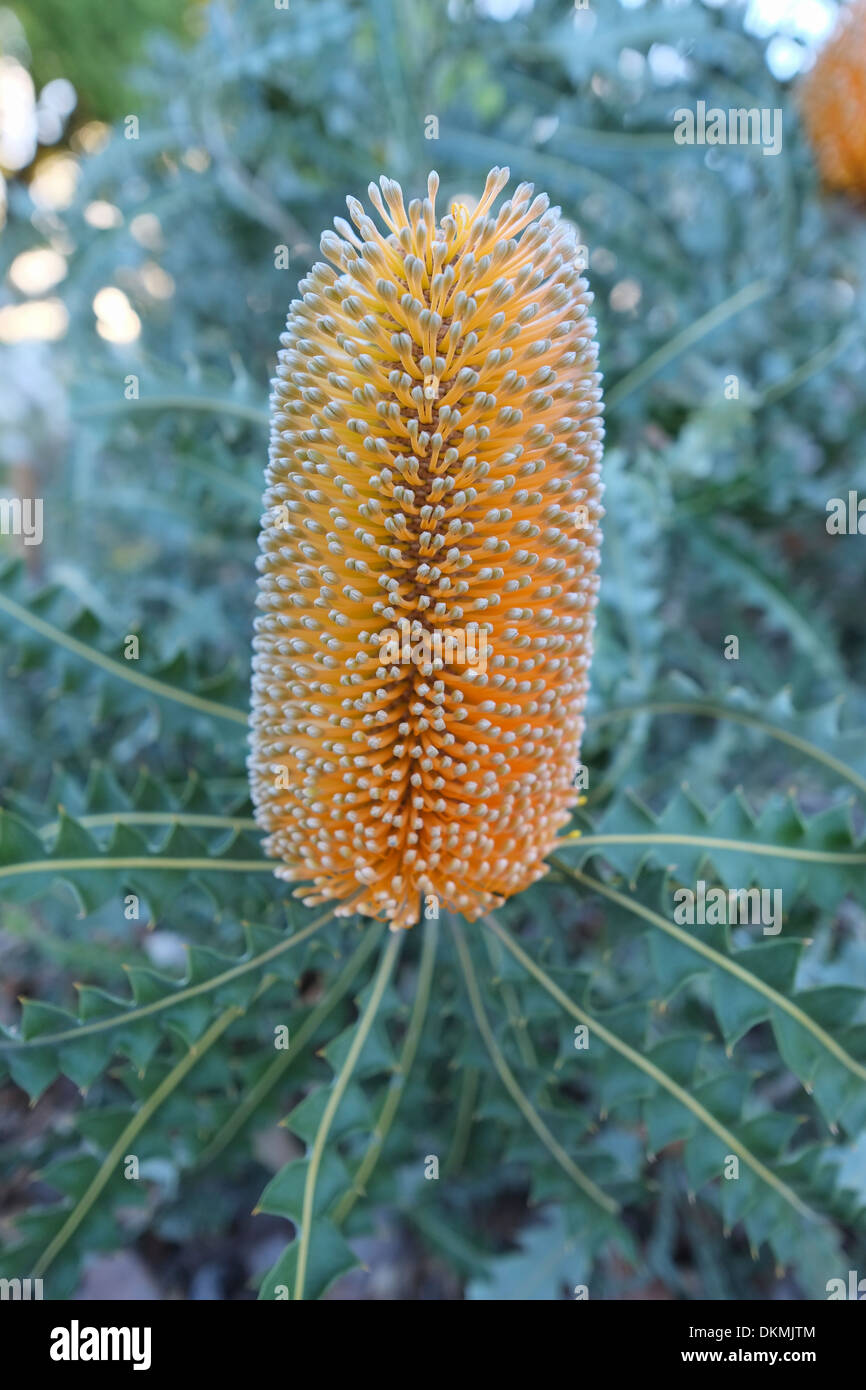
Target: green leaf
(330, 1258)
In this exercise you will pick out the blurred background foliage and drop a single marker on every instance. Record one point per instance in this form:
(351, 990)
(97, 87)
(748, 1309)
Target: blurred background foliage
(87, 46)
(162, 203)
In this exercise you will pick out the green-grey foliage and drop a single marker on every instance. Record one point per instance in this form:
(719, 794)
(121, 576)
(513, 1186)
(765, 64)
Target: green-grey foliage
(124, 787)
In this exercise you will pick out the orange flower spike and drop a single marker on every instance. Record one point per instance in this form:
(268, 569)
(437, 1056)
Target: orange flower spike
(833, 99)
(429, 553)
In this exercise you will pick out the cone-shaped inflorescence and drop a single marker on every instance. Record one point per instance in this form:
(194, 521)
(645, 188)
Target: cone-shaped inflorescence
(833, 98)
(428, 561)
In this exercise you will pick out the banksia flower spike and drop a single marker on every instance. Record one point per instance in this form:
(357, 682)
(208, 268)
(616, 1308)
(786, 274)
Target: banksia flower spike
(433, 487)
(833, 99)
